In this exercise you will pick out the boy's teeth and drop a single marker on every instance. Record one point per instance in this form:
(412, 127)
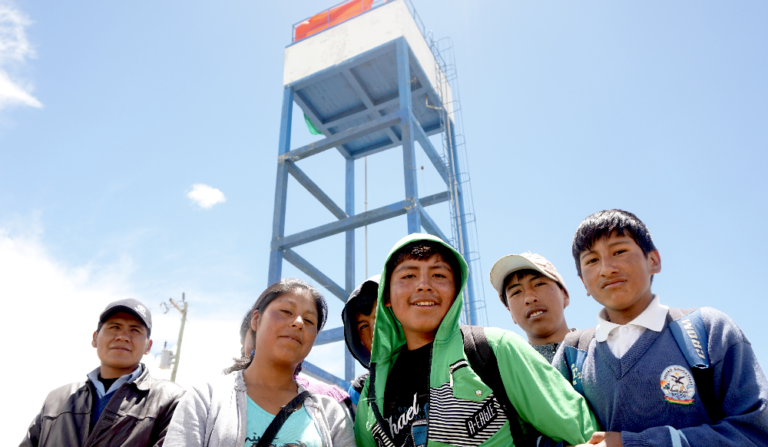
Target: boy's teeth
(537, 313)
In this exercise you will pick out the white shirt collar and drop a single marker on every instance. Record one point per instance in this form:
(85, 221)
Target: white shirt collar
(653, 317)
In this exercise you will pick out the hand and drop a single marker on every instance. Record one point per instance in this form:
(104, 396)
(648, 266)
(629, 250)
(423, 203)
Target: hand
(604, 439)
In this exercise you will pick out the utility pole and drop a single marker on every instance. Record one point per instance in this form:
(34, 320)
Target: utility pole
(181, 334)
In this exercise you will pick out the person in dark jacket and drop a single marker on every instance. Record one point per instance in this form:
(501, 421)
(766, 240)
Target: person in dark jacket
(358, 316)
(119, 404)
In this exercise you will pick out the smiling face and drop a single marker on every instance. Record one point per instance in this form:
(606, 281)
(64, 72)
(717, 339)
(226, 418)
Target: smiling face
(617, 274)
(120, 344)
(536, 304)
(287, 329)
(420, 294)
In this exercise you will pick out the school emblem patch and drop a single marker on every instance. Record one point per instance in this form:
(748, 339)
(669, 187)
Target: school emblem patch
(677, 385)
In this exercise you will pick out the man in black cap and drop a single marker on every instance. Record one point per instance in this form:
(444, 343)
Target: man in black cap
(119, 404)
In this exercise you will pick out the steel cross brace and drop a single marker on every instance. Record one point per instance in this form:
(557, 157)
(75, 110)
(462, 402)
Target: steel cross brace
(356, 221)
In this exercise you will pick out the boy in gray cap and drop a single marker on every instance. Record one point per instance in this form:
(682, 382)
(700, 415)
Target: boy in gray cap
(119, 404)
(534, 293)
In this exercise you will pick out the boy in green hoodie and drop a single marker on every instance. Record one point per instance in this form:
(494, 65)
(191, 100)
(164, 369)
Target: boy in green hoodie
(422, 390)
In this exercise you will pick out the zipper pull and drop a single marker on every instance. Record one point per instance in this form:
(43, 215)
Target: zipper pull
(450, 374)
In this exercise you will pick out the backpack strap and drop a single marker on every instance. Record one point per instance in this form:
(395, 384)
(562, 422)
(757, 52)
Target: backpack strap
(379, 430)
(575, 348)
(277, 423)
(691, 336)
(483, 361)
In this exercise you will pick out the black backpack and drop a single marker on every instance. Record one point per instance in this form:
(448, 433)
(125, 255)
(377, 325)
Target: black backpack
(483, 361)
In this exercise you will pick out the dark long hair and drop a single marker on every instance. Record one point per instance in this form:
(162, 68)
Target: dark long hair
(273, 292)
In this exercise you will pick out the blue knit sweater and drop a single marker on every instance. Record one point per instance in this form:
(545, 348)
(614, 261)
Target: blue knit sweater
(646, 395)
(99, 404)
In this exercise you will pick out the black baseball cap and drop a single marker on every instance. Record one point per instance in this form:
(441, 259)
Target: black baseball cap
(131, 306)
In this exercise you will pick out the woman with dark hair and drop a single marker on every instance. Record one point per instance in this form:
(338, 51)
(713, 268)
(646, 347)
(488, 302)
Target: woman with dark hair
(259, 403)
(246, 351)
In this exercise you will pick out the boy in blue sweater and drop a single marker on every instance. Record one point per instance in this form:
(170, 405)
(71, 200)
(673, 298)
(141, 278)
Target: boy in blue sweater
(635, 376)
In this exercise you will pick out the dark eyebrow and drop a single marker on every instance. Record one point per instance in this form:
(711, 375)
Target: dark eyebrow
(440, 265)
(288, 300)
(519, 284)
(405, 266)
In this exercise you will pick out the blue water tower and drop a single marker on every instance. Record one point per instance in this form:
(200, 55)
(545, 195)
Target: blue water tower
(368, 77)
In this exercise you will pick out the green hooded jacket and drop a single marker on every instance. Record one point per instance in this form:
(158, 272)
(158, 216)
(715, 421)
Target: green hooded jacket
(540, 394)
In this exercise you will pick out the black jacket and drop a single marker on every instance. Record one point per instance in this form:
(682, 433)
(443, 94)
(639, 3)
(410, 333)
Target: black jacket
(137, 415)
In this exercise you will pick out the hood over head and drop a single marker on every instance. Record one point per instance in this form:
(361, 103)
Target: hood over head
(388, 335)
(369, 287)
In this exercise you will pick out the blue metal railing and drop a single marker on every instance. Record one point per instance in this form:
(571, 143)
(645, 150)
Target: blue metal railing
(417, 19)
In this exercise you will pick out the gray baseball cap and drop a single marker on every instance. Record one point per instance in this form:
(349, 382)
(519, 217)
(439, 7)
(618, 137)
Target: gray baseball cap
(131, 306)
(512, 263)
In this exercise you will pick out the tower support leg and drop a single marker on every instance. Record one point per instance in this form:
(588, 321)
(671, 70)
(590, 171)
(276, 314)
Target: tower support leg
(461, 222)
(407, 137)
(349, 208)
(281, 188)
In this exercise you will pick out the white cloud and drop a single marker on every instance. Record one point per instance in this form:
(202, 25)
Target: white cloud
(50, 312)
(206, 196)
(12, 93)
(15, 49)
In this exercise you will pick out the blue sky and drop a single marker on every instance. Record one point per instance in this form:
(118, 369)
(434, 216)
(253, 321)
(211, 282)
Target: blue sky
(111, 112)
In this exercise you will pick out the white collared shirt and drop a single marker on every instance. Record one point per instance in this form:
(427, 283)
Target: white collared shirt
(621, 337)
